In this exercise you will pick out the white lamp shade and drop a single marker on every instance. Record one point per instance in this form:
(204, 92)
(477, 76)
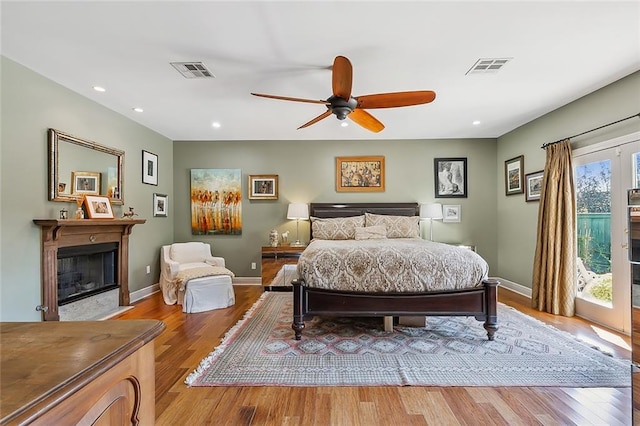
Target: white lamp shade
(431, 211)
(298, 211)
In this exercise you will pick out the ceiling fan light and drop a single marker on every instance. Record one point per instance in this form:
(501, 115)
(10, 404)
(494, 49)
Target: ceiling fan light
(341, 112)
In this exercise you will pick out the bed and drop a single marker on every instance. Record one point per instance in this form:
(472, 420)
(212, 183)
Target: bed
(315, 296)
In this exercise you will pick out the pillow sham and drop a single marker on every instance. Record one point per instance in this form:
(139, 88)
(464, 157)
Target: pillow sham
(339, 228)
(397, 226)
(371, 233)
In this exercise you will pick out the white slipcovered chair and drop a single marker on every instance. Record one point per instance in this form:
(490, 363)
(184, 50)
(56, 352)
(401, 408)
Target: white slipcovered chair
(193, 278)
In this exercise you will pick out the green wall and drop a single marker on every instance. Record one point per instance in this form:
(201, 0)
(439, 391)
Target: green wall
(30, 105)
(517, 219)
(306, 172)
(502, 227)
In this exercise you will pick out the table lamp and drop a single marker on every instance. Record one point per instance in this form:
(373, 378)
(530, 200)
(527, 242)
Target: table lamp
(431, 211)
(298, 211)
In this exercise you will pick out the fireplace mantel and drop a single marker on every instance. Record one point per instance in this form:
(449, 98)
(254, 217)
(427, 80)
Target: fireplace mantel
(56, 233)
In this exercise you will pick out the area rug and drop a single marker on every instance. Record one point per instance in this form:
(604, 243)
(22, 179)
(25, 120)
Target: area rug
(449, 351)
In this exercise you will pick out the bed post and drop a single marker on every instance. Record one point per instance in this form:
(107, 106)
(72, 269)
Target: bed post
(491, 308)
(298, 316)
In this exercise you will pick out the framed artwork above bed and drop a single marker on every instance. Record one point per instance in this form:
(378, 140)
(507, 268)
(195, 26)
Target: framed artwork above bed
(450, 177)
(360, 174)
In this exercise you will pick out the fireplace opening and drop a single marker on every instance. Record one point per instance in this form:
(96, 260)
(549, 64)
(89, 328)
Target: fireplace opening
(87, 270)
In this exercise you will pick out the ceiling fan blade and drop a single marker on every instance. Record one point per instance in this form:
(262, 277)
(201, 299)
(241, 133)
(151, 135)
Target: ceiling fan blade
(342, 77)
(286, 98)
(366, 120)
(315, 120)
(397, 99)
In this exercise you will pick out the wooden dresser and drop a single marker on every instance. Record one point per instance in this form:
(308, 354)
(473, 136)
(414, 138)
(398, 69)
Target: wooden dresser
(93, 372)
(274, 258)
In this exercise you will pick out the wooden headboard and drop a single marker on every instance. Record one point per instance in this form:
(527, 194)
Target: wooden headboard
(329, 210)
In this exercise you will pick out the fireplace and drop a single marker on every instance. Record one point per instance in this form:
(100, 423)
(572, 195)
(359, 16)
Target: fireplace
(84, 271)
(82, 258)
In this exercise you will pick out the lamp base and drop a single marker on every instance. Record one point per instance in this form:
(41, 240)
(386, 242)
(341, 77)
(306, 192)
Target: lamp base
(298, 243)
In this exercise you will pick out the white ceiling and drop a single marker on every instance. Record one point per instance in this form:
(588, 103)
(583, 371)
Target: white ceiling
(560, 51)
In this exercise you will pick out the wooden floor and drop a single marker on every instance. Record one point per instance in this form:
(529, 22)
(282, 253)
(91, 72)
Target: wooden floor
(188, 338)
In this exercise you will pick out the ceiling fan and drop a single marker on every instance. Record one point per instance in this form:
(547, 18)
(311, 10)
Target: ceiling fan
(343, 105)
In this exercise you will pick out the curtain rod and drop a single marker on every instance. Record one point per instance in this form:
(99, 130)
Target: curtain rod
(592, 130)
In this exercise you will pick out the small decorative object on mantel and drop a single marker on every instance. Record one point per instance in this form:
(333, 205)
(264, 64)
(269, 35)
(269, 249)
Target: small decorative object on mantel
(79, 211)
(130, 214)
(64, 214)
(273, 238)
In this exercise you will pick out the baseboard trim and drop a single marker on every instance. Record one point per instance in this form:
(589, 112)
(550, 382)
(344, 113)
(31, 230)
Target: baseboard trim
(247, 281)
(144, 292)
(152, 289)
(515, 287)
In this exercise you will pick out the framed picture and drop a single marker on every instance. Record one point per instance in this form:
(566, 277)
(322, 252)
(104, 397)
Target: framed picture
(513, 175)
(98, 207)
(149, 168)
(451, 213)
(533, 186)
(160, 205)
(85, 183)
(216, 202)
(263, 187)
(360, 174)
(450, 177)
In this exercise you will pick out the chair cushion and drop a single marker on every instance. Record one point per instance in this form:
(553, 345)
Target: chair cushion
(189, 252)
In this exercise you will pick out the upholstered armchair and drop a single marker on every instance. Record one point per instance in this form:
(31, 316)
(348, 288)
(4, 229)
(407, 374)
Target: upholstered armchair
(193, 278)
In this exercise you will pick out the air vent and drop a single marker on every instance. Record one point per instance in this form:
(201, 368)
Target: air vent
(192, 69)
(488, 66)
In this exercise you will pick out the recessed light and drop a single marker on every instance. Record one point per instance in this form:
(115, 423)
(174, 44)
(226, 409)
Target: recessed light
(344, 124)
(99, 89)
(476, 122)
(138, 109)
(215, 125)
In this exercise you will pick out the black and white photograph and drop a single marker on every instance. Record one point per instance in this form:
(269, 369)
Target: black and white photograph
(149, 168)
(450, 177)
(451, 213)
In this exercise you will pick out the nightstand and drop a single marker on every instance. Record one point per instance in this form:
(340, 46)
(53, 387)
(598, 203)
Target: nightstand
(279, 263)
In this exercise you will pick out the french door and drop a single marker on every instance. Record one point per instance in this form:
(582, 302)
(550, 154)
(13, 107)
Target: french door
(602, 175)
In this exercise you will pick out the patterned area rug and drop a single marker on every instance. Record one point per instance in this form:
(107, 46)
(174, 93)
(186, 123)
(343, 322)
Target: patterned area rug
(449, 351)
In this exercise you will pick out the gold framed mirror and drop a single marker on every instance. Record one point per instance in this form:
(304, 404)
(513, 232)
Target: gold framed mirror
(78, 167)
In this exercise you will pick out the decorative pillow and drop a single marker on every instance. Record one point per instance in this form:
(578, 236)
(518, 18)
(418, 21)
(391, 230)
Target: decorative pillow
(188, 252)
(339, 228)
(371, 233)
(397, 226)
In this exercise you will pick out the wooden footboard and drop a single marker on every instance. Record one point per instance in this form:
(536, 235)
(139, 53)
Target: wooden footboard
(479, 302)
